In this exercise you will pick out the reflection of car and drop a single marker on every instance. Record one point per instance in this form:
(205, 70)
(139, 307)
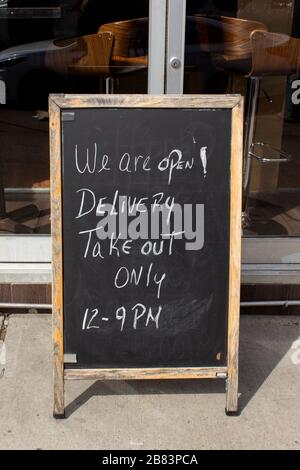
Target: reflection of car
(22, 69)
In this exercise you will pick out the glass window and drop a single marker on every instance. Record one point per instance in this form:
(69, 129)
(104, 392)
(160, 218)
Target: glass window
(57, 46)
(253, 48)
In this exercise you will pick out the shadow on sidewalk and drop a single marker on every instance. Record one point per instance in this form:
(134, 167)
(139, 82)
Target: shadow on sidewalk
(264, 341)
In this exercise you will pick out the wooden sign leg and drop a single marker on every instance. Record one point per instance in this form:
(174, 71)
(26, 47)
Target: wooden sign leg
(59, 394)
(233, 362)
(232, 393)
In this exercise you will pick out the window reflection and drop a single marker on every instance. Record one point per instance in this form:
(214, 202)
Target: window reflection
(253, 48)
(57, 46)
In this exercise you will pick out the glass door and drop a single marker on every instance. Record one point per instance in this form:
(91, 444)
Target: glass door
(253, 48)
(171, 46)
(61, 46)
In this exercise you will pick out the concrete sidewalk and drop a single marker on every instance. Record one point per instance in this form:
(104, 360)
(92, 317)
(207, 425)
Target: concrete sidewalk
(153, 415)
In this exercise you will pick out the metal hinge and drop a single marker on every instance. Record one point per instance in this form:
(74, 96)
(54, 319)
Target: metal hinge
(70, 358)
(221, 375)
(68, 116)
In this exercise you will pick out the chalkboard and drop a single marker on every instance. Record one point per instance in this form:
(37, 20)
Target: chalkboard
(146, 236)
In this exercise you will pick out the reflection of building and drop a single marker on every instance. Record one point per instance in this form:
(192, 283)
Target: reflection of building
(29, 21)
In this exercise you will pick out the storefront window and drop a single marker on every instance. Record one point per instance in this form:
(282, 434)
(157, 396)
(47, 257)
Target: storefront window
(253, 48)
(57, 46)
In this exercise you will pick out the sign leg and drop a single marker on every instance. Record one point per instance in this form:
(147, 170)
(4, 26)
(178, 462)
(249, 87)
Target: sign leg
(59, 395)
(232, 393)
(59, 379)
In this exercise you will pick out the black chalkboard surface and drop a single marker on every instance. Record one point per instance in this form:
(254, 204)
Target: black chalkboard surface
(108, 293)
(145, 232)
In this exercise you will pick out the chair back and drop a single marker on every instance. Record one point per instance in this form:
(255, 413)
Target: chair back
(130, 37)
(228, 40)
(274, 54)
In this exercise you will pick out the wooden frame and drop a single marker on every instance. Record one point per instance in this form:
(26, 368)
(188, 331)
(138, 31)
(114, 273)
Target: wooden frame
(57, 103)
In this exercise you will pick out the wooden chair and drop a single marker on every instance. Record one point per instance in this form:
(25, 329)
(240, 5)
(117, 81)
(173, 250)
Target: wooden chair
(227, 39)
(274, 54)
(116, 48)
(96, 55)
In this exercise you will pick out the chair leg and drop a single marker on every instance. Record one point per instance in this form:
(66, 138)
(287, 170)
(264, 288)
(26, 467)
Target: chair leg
(109, 85)
(230, 83)
(9, 221)
(249, 131)
(2, 203)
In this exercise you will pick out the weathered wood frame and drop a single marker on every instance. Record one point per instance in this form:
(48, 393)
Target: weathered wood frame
(58, 103)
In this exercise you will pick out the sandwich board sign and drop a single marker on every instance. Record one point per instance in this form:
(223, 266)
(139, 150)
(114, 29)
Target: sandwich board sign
(146, 238)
